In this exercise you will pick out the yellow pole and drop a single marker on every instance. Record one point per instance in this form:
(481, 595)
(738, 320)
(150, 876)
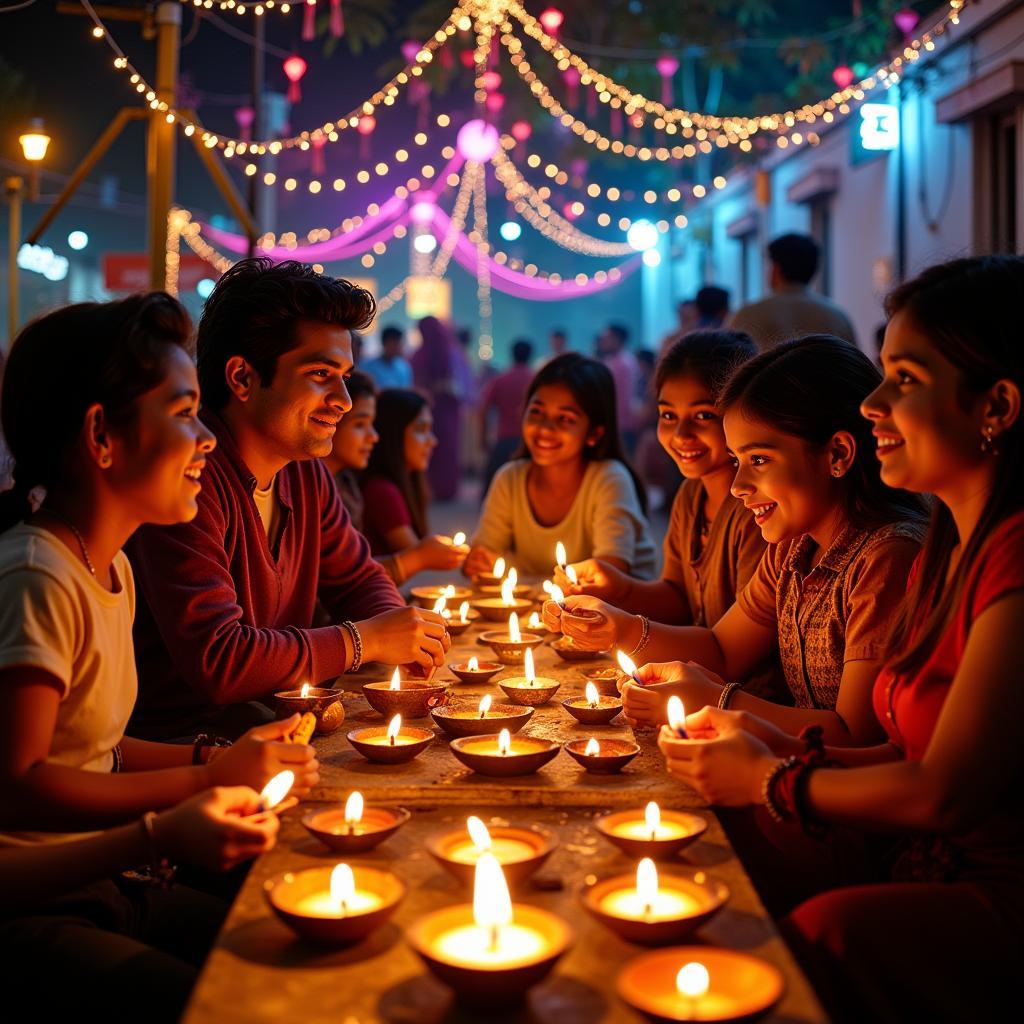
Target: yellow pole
(13, 187)
(161, 140)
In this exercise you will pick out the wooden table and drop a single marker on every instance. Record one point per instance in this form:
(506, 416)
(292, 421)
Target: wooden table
(259, 971)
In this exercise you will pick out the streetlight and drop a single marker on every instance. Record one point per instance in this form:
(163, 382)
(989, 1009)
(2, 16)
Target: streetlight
(34, 144)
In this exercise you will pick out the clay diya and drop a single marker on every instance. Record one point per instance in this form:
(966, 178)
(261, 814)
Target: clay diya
(458, 624)
(592, 709)
(491, 951)
(479, 719)
(535, 624)
(410, 698)
(502, 755)
(335, 906)
(497, 609)
(355, 828)
(323, 702)
(705, 983)
(427, 597)
(529, 688)
(565, 648)
(651, 910)
(602, 757)
(519, 849)
(391, 744)
(509, 646)
(652, 832)
(492, 578)
(474, 670)
(605, 678)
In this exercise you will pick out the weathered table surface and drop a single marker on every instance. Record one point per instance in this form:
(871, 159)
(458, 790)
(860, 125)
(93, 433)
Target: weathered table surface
(259, 971)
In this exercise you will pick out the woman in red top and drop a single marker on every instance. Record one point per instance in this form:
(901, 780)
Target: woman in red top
(942, 937)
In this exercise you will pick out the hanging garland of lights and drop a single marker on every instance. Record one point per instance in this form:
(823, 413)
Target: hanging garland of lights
(258, 8)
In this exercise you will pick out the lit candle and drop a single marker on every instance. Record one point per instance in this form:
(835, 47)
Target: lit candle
(394, 728)
(560, 558)
(513, 575)
(570, 575)
(513, 631)
(498, 569)
(276, 790)
(353, 812)
(692, 983)
(593, 748)
(459, 539)
(439, 605)
(504, 742)
(646, 902)
(395, 682)
(528, 670)
(507, 849)
(557, 595)
(652, 819)
(342, 899)
(593, 697)
(677, 717)
(464, 612)
(534, 621)
(485, 705)
(304, 693)
(448, 591)
(628, 666)
(508, 587)
(474, 664)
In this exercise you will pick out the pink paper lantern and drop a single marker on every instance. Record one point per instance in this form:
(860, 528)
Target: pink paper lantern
(366, 125)
(551, 18)
(309, 20)
(468, 58)
(490, 80)
(244, 116)
(521, 130)
(571, 77)
(495, 101)
(667, 66)
(477, 140)
(294, 69)
(842, 76)
(906, 19)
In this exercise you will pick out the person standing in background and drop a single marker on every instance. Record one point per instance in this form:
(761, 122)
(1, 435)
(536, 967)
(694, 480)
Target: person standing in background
(504, 395)
(613, 351)
(434, 371)
(712, 305)
(390, 369)
(792, 310)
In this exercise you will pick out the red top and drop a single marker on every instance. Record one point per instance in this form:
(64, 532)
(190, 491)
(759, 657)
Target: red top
(384, 510)
(222, 619)
(909, 706)
(505, 394)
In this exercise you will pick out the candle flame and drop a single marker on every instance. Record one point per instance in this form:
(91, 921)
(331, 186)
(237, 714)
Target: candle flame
(652, 818)
(276, 789)
(343, 886)
(459, 539)
(485, 705)
(492, 904)
(546, 586)
(534, 621)
(474, 664)
(513, 576)
(693, 980)
(592, 748)
(478, 833)
(558, 595)
(439, 604)
(513, 629)
(354, 808)
(647, 882)
(570, 575)
(508, 587)
(626, 663)
(449, 591)
(676, 713)
(394, 728)
(504, 742)
(528, 669)
(464, 611)
(560, 554)
(593, 697)
(499, 568)
(395, 683)
(304, 693)
(446, 612)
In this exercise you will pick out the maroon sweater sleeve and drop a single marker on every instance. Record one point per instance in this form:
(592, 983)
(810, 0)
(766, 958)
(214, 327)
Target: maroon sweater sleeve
(352, 584)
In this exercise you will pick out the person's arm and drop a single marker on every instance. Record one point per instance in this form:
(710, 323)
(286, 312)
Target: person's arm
(615, 516)
(661, 599)
(216, 830)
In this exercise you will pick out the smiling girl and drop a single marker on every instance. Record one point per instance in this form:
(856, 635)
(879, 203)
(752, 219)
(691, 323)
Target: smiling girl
(840, 545)
(395, 489)
(573, 485)
(942, 936)
(354, 442)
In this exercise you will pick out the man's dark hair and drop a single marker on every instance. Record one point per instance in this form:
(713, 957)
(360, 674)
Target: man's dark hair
(559, 332)
(253, 313)
(621, 331)
(712, 303)
(522, 351)
(390, 333)
(796, 256)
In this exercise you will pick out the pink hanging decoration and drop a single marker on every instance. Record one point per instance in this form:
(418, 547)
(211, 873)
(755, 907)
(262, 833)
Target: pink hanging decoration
(591, 103)
(667, 66)
(616, 122)
(906, 20)
(551, 19)
(495, 101)
(491, 80)
(468, 58)
(244, 116)
(409, 50)
(366, 125)
(317, 165)
(294, 68)
(571, 77)
(419, 96)
(309, 20)
(521, 130)
(337, 20)
(842, 76)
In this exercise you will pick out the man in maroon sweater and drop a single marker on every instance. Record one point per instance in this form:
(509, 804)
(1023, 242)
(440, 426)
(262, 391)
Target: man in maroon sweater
(227, 602)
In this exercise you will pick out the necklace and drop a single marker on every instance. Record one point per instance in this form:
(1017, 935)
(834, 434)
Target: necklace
(74, 529)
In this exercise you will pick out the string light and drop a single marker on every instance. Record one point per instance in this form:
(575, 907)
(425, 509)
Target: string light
(258, 9)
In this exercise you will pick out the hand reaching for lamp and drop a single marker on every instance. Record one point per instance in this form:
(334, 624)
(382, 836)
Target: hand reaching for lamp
(694, 686)
(595, 579)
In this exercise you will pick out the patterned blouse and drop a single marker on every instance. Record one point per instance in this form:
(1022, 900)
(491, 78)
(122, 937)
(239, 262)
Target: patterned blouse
(836, 611)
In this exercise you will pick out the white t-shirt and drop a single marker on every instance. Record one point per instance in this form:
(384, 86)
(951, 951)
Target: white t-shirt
(56, 616)
(605, 521)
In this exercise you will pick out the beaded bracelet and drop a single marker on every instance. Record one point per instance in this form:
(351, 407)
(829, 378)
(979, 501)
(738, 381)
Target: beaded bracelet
(726, 695)
(204, 740)
(161, 870)
(645, 636)
(778, 814)
(357, 646)
(118, 755)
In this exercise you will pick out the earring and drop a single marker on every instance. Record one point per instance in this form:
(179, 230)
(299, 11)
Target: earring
(105, 461)
(988, 445)
(837, 471)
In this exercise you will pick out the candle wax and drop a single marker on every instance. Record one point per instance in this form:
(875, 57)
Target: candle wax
(470, 946)
(521, 682)
(323, 904)
(638, 830)
(667, 905)
(710, 1006)
(401, 740)
(506, 849)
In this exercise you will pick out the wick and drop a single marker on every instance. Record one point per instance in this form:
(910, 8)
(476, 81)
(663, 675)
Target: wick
(483, 715)
(391, 740)
(492, 943)
(344, 909)
(351, 827)
(648, 910)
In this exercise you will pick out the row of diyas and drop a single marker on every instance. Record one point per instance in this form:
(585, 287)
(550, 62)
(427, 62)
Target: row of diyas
(496, 949)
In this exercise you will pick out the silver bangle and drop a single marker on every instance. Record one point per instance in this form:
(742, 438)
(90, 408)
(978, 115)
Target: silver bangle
(645, 637)
(357, 646)
(726, 695)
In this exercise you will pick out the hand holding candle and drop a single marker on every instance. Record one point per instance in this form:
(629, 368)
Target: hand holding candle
(676, 716)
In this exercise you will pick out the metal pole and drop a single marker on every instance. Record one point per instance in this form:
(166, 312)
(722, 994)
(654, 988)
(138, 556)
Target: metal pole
(13, 186)
(258, 130)
(160, 142)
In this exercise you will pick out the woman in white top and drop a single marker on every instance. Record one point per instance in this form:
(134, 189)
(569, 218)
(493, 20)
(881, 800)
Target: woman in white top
(99, 409)
(573, 486)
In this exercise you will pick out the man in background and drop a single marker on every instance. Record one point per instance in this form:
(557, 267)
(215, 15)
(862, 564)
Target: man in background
(390, 369)
(504, 396)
